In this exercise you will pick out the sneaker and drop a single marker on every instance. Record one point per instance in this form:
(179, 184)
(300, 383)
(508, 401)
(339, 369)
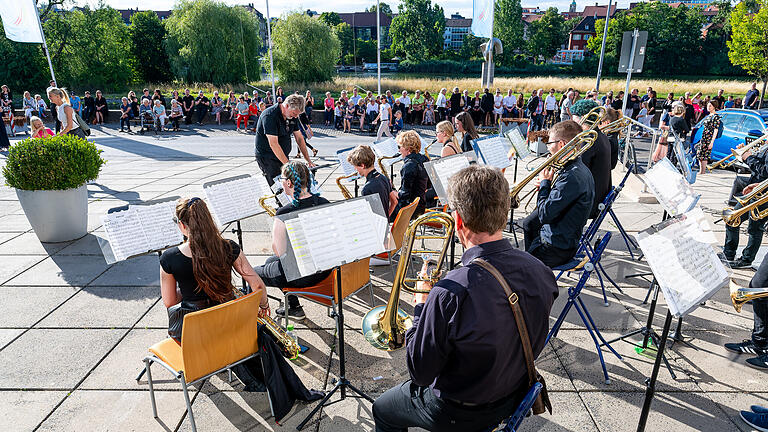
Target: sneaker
(297, 312)
(759, 362)
(758, 409)
(740, 264)
(754, 420)
(745, 347)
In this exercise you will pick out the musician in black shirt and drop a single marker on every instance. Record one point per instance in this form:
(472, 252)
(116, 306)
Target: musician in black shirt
(464, 352)
(362, 159)
(413, 176)
(597, 158)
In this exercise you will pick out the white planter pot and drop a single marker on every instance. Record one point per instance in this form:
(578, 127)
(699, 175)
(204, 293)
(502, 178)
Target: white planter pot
(56, 215)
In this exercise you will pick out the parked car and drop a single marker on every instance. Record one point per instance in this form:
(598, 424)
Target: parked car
(740, 126)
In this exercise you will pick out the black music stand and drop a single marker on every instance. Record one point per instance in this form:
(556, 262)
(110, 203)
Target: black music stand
(650, 384)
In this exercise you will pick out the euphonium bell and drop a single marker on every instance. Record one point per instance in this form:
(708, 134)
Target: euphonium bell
(741, 295)
(384, 327)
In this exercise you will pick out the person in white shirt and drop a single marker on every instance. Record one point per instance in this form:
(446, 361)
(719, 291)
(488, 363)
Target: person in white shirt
(550, 105)
(442, 105)
(406, 102)
(510, 104)
(355, 97)
(372, 109)
(565, 107)
(644, 118)
(497, 108)
(385, 114)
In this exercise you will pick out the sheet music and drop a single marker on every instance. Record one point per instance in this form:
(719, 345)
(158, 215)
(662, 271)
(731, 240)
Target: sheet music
(159, 228)
(445, 168)
(300, 247)
(282, 198)
(674, 193)
(345, 165)
(387, 148)
(687, 269)
(518, 143)
(236, 199)
(326, 242)
(355, 218)
(141, 229)
(494, 151)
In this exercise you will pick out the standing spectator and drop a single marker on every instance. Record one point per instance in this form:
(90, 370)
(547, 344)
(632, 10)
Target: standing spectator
(41, 106)
(466, 99)
(464, 124)
(720, 98)
(652, 101)
(429, 109)
(476, 108)
(550, 105)
(176, 114)
(158, 112)
(65, 113)
(417, 108)
(187, 106)
(690, 112)
(349, 114)
(398, 124)
(729, 103)
(338, 115)
(328, 105)
(698, 107)
(618, 102)
(647, 95)
(384, 118)
(344, 99)
(253, 114)
(711, 128)
(405, 101)
(634, 104)
(145, 95)
(231, 105)
(510, 105)
(100, 108)
(201, 107)
(310, 102)
(243, 111)
(442, 104)
(355, 97)
(175, 95)
(359, 113)
(390, 98)
(38, 129)
(125, 115)
(752, 98)
(279, 93)
(217, 106)
(6, 101)
(606, 100)
(666, 106)
(157, 95)
(30, 106)
(486, 103)
(498, 110)
(536, 109)
(75, 100)
(521, 105)
(565, 107)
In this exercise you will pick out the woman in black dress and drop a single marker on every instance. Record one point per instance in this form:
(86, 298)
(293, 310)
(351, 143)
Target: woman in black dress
(100, 105)
(476, 108)
(466, 126)
(711, 127)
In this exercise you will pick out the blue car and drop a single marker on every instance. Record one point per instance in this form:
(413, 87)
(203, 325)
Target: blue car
(740, 126)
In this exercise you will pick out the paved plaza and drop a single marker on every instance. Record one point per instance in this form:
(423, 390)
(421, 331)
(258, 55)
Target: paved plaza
(73, 330)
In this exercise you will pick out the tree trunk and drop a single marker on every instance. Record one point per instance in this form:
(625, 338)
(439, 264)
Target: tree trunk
(762, 95)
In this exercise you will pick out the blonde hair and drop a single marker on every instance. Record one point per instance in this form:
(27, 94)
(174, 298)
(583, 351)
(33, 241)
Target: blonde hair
(447, 128)
(362, 155)
(61, 92)
(32, 121)
(678, 108)
(294, 101)
(409, 140)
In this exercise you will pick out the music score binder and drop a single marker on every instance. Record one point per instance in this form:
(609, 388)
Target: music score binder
(493, 150)
(441, 170)
(235, 198)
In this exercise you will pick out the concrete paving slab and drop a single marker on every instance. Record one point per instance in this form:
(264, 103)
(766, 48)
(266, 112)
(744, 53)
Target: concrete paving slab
(14, 223)
(61, 270)
(5, 237)
(87, 245)
(732, 403)
(24, 410)
(156, 318)
(568, 414)
(116, 411)
(15, 264)
(7, 335)
(139, 271)
(28, 244)
(103, 307)
(24, 306)
(63, 356)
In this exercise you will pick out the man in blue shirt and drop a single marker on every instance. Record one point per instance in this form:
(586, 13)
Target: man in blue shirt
(752, 98)
(553, 231)
(464, 351)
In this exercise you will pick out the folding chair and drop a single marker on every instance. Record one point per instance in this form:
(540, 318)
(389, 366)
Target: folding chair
(354, 277)
(212, 340)
(523, 410)
(402, 220)
(574, 300)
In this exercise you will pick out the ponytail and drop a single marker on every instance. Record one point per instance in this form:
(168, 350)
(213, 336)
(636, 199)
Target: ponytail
(211, 253)
(62, 92)
(300, 176)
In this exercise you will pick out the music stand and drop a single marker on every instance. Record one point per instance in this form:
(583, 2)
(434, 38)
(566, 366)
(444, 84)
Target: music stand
(522, 151)
(347, 167)
(327, 237)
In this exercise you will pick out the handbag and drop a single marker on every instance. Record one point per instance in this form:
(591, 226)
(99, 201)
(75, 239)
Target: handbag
(176, 315)
(82, 124)
(542, 402)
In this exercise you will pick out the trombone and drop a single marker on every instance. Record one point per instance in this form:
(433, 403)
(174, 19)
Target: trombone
(593, 118)
(344, 191)
(741, 295)
(572, 150)
(384, 326)
(750, 204)
(736, 153)
(617, 125)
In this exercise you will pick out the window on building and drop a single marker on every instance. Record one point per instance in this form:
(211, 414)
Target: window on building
(586, 37)
(576, 36)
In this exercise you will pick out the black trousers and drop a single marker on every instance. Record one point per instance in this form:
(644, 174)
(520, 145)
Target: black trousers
(270, 167)
(760, 307)
(550, 255)
(755, 229)
(201, 112)
(188, 115)
(272, 274)
(408, 405)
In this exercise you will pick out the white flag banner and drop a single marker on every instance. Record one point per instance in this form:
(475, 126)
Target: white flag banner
(482, 18)
(20, 21)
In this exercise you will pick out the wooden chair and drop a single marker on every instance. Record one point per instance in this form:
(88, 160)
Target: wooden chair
(398, 228)
(212, 340)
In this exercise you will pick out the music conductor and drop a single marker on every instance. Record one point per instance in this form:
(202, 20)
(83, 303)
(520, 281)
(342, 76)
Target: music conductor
(273, 136)
(464, 351)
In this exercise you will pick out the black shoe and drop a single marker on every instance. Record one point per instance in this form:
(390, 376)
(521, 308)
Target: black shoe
(745, 347)
(294, 312)
(759, 362)
(740, 264)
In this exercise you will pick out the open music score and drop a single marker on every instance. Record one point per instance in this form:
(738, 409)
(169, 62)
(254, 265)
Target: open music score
(387, 148)
(684, 263)
(518, 143)
(441, 170)
(672, 190)
(345, 165)
(140, 229)
(236, 198)
(493, 150)
(324, 237)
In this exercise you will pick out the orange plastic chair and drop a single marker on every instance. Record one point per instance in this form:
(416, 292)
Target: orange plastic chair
(399, 226)
(212, 340)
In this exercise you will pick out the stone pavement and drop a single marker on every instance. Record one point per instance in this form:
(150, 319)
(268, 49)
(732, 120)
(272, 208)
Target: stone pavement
(73, 330)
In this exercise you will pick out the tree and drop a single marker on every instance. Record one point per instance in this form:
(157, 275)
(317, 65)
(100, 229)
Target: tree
(147, 38)
(470, 47)
(330, 19)
(546, 34)
(24, 66)
(305, 51)
(383, 7)
(508, 27)
(749, 42)
(212, 42)
(417, 31)
(343, 32)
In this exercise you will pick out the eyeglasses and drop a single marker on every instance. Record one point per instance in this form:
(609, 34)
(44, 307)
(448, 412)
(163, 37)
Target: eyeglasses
(175, 220)
(552, 142)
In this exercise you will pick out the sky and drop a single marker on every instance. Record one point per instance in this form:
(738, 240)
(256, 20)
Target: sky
(277, 7)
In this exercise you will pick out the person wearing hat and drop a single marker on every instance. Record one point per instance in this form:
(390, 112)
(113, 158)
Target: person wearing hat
(597, 158)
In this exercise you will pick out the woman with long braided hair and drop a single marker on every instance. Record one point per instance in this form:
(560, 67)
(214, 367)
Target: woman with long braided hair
(296, 180)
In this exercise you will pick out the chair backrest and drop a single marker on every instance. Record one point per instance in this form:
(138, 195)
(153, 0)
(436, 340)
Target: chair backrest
(513, 423)
(401, 222)
(353, 277)
(218, 336)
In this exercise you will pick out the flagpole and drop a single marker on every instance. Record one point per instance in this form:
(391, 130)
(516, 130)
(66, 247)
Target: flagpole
(271, 63)
(45, 47)
(378, 46)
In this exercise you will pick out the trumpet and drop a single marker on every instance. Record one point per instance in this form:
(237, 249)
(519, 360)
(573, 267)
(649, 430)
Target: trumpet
(593, 118)
(268, 208)
(750, 204)
(287, 344)
(741, 295)
(384, 326)
(736, 153)
(344, 190)
(572, 150)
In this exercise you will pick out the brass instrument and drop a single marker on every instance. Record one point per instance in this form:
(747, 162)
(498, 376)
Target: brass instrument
(426, 149)
(289, 346)
(593, 118)
(736, 153)
(384, 168)
(618, 125)
(573, 149)
(263, 203)
(384, 326)
(741, 295)
(750, 204)
(344, 191)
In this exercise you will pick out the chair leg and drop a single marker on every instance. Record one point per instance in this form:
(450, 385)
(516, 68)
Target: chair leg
(559, 322)
(370, 289)
(147, 364)
(189, 405)
(597, 345)
(602, 288)
(141, 374)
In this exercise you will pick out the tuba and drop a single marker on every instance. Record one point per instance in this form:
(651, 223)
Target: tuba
(741, 295)
(344, 191)
(572, 150)
(593, 118)
(736, 153)
(750, 204)
(384, 326)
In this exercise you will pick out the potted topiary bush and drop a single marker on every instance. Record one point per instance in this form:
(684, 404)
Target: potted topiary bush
(50, 176)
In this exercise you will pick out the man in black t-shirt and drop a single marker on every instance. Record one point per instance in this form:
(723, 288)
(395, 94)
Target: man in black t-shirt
(362, 159)
(187, 106)
(201, 106)
(273, 136)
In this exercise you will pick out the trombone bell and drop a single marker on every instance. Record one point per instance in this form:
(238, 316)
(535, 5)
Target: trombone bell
(388, 340)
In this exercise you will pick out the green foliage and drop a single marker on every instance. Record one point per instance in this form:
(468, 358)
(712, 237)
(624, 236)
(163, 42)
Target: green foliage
(55, 163)
(209, 41)
(383, 7)
(24, 65)
(89, 48)
(147, 38)
(417, 31)
(508, 27)
(470, 48)
(330, 19)
(304, 49)
(674, 38)
(546, 35)
(749, 40)
(366, 50)
(346, 39)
